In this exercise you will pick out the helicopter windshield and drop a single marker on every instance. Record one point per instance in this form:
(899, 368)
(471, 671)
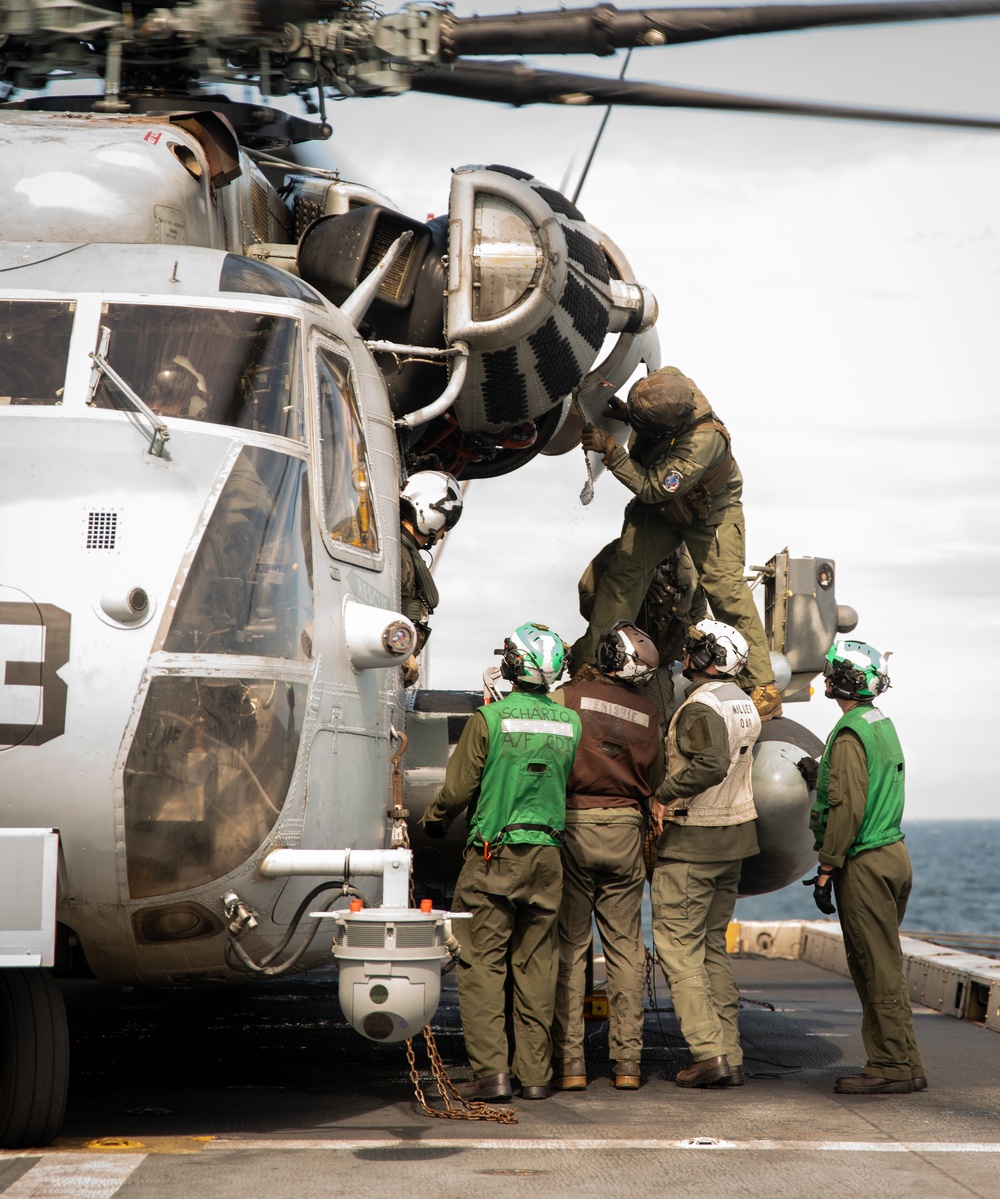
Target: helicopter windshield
(34, 347)
(222, 366)
(206, 777)
(249, 590)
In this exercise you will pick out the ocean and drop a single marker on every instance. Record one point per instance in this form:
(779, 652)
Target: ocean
(956, 885)
(956, 881)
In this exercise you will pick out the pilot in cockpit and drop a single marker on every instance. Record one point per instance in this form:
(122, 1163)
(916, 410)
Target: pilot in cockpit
(179, 389)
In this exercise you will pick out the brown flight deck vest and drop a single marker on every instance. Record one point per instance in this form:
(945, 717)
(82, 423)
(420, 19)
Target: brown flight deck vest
(618, 747)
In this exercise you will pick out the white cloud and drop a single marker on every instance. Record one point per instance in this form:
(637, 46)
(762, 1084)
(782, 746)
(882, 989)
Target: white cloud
(834, 289)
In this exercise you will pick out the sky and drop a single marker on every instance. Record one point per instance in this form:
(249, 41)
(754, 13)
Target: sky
(834, 289)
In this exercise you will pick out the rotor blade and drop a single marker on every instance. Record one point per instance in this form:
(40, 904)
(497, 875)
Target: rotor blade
(514, 83)
(604, 29)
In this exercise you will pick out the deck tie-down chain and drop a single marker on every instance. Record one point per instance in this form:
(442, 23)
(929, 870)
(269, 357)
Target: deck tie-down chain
(474, 1109)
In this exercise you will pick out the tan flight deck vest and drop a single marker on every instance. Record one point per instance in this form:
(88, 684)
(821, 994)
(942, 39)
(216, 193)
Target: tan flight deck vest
(731, 801)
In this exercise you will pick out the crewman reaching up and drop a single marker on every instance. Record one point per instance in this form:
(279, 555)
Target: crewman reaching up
(688, 489)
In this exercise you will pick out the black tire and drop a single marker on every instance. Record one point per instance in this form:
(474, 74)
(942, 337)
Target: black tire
(34, 1058)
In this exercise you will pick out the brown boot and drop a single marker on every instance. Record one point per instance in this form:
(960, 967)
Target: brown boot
(703, 1074)
(569, 1074)
(767, 701)
(625, 1076)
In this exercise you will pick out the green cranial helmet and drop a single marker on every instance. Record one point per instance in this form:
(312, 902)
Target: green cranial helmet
(855, 670)
(533, 656)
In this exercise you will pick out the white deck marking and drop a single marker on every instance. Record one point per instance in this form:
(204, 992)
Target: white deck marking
(75, 1176)
(576, 1145)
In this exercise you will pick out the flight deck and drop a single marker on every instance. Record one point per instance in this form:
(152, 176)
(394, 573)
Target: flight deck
(265, 1091)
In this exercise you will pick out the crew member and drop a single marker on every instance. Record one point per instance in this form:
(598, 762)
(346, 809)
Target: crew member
(705, 817)
(429, 505)
(180, 389)
(618, 767)
(674, 602)
(510, 769)
(687, 488)
(856, 821)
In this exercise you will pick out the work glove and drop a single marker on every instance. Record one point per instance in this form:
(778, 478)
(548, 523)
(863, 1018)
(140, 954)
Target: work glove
(596, 440)
(435, 829)
(822, 896)
(809, 769)
(411, 671)
(617, 409)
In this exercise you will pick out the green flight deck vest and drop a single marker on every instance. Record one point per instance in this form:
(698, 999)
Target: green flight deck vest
(884, 804)
(522, 793)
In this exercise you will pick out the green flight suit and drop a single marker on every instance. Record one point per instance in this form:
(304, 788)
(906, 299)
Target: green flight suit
(673, 603)
(513, 895)
(418, 591)
(872, 888)
(658, 471)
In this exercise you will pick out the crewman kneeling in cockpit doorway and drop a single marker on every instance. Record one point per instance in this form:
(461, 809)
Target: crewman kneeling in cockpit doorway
(429, 505)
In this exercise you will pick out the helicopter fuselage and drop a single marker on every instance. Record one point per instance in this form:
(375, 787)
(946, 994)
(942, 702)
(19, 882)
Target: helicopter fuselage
(179, 695)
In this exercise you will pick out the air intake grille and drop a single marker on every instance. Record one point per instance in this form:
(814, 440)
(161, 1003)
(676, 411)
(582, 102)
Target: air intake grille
(260, 215)
(588, 254)
(416, 935)
(505, 393)
(382, 238)
(590, 317)
(555, 361)
(558, 202)
(102, 530)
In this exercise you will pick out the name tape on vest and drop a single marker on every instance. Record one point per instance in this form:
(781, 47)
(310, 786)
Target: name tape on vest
(601, 705)
(560, 728)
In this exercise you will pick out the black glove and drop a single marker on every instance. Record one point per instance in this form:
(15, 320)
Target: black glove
(809, 769)
(616, 409)
(822, 895)
(435, 829)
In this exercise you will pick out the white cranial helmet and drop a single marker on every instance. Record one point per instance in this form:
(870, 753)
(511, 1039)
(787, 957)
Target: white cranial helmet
(432, 502)
(719, 643)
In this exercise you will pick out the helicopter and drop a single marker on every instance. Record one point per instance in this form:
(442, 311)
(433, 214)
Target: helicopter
(217, 367)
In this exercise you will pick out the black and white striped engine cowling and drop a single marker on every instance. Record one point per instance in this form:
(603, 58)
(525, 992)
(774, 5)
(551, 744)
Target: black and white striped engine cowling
(533, 290)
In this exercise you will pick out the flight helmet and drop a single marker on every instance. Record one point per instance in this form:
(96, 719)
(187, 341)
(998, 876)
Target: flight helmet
(855, 670)
(661, 404)
(626, 653)
(712, 641)
(432, 502)
(533, 656)
(179, 389)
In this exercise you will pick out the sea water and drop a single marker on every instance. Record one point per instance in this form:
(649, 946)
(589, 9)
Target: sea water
(956, 882)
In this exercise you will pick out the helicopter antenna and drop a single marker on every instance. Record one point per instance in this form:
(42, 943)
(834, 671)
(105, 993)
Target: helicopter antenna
(600, 134)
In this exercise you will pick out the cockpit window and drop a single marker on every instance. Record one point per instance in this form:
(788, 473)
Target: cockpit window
(34, 346)
(207, 364)
(206, 777)
(347, 500)
(249, 590)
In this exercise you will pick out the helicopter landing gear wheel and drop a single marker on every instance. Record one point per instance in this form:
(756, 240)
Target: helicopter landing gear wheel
(34, 1058)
